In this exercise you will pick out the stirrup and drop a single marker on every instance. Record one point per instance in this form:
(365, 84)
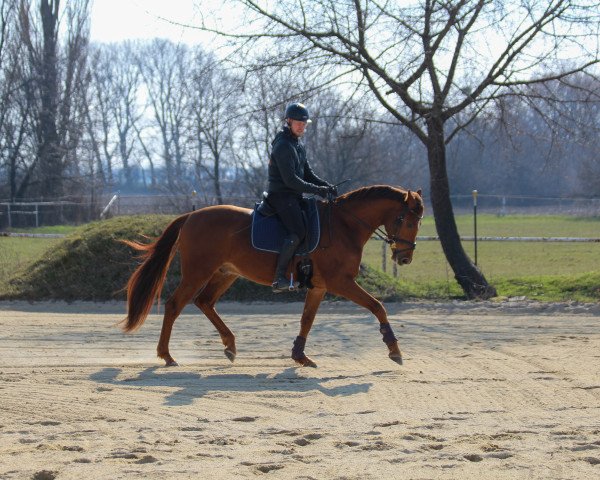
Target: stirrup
(282, 284)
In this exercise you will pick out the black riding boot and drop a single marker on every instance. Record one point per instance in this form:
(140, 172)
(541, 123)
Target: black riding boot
(289, 246)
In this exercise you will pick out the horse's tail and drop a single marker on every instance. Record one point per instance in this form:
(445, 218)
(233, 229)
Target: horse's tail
(145, 284)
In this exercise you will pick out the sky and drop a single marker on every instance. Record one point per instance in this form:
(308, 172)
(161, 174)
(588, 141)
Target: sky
(118, 20)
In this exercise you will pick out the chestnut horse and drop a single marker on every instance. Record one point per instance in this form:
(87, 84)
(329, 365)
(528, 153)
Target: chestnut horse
(215, 249)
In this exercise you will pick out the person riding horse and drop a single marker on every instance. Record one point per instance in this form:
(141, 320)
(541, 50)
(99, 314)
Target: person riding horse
(290, 175)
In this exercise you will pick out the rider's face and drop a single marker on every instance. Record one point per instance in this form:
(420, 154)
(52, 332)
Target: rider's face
(297, 127)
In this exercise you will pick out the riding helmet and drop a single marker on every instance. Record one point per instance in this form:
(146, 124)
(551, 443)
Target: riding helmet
(297, 111)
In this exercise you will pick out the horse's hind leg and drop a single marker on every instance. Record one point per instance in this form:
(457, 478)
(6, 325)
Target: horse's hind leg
(206, 300)
(173, 307)
(311, 305)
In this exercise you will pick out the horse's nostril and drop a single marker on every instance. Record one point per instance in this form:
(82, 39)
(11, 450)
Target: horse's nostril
(405, 261)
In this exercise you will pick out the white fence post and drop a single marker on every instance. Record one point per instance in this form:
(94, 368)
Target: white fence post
(107, 208)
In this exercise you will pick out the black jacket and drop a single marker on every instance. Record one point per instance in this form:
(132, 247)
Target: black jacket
(289, 170)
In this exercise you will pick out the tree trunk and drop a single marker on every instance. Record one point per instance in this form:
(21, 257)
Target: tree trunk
(217, 178)
(49, 150)
(125, 158)
(469, 277)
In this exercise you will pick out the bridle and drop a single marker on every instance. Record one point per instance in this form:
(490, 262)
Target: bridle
(393, 240)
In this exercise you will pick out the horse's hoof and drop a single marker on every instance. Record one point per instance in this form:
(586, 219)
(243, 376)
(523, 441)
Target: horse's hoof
(230, 355)
(171, 363)
(396, 358)
(306, 362)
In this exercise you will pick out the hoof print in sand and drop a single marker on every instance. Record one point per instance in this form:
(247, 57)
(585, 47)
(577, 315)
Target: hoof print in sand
(44, 475)
(245, 419)
(147, 459)
(268, 468)
(474, 457)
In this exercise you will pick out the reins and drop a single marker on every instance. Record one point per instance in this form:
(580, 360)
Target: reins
(381, 234)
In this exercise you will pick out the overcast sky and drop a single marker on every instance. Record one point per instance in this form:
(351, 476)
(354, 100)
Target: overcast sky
(117, 20)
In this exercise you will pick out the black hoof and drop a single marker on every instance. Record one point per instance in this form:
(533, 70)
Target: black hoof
(396, 358)
(230, 355)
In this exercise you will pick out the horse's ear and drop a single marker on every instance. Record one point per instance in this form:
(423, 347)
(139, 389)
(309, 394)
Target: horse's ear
(419, 192)
(407, 196)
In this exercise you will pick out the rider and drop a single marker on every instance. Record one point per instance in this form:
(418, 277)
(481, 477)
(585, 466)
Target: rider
(290, 176)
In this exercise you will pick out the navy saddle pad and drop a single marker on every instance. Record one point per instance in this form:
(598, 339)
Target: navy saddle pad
(268, 232)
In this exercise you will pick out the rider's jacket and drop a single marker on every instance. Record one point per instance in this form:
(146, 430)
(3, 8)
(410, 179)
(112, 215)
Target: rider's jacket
(289, 170)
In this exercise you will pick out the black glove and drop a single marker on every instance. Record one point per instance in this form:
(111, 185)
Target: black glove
(322, 191)
(333, 190)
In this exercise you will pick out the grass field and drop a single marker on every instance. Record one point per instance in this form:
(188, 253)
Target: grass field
(505, 259)
(515, 268)
(17, 253)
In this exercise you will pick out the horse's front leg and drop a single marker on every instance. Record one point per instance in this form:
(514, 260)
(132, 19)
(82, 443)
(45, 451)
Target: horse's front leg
(314, 297)
(352, 291)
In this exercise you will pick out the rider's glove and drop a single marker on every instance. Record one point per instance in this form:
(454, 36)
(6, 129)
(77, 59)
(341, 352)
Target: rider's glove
(332, 189)
(322, 191)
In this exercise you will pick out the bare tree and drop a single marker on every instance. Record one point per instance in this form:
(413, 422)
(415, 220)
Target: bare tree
(7, 13)
(345, 142)
(13, 121)
(215, 106)
(165, 69)
(116, 108)
(98, 121)
(262, 100)
(54, 85)
(434, 65)
(526, 145)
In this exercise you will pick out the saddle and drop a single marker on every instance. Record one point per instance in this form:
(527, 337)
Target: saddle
(268, 232)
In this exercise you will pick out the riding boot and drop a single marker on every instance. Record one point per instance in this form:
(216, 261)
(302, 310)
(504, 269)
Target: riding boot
(288, 248)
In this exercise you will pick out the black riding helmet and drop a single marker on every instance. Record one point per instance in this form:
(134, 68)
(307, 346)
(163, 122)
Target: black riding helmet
(297, 111)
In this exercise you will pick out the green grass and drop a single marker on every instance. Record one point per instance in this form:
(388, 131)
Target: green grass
(540, 270)
(583, 288)
(61, 229)
(16, 254)
(521, 225)
(495, 259)
(514, 268)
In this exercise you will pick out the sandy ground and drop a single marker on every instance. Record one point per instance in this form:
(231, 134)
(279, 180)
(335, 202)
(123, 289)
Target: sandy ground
(508, 390)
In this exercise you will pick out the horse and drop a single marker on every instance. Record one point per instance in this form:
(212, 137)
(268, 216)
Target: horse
(215, 249)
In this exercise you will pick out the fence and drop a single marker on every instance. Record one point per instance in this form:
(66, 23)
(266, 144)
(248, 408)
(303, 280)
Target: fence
(76, 211)
(39, 213)
(527, 205)
(36, 214)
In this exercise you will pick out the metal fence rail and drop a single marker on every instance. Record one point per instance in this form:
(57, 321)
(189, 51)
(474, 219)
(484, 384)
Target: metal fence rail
(518, 239)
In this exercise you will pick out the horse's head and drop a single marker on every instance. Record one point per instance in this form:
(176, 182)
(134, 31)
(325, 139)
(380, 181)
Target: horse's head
(402, 229)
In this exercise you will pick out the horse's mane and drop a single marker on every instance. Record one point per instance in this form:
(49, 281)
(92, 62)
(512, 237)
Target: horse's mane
(374, 192)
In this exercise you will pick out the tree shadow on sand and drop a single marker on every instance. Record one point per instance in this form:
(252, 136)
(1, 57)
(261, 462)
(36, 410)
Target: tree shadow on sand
(193, 385)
